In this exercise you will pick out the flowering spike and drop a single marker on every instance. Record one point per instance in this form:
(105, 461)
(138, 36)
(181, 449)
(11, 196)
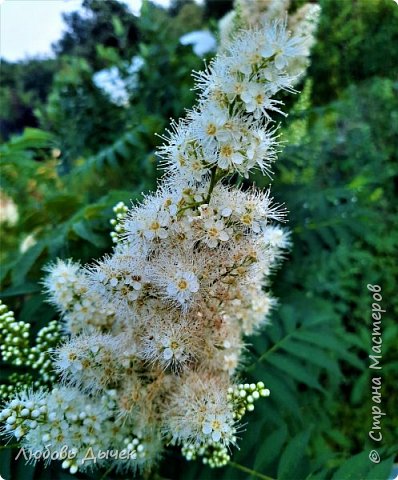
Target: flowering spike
(161, 322)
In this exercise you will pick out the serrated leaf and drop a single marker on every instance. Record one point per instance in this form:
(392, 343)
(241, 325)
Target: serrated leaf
(281, 391)
(293, 458)
(82, 230)
(312, 354)
(354, 468)
(26, 262)
(324, 339)
(295, 369)
(270, 447)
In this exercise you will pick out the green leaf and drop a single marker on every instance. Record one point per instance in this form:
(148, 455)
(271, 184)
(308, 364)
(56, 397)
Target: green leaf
(312, 354)
(25, 289)
(281, 392)
(293, 458)
(26, 262)
(295, 369)
(381, 471)
(357, 467)
(270, 447)
(82, 230)
(325, 339)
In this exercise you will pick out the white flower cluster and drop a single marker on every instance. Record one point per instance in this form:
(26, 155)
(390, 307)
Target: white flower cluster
(66, 288)
(162, 320)
(66, 425)
(91, 362)
(303, 24)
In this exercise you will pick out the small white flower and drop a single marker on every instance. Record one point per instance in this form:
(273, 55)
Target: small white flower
(216, 426)
(229, 155)
(182, 285)
(209, 123)
(279, 44)
(276, 237)
(257, 101)
(260, 150)
(172, 349)
(214, 232)
(230, 362)
(156, 227)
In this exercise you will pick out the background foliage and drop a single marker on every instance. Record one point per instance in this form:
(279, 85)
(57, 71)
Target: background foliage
(69, 154)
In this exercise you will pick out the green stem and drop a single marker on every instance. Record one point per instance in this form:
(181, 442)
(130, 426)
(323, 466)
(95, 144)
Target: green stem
(187, 207)
(106, 473)
(274, 347)
(13, 445)
(316, 226)
(279, 344)
(249, 470)
(213, 181)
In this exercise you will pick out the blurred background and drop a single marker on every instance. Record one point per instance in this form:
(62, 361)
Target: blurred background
(85, 85)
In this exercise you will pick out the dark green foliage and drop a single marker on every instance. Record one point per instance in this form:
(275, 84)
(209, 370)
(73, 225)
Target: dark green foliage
(24, 86)
(109, 23)
(217, 8)
(74, 98)
(338, 183)
(162, 86)
(359, 42)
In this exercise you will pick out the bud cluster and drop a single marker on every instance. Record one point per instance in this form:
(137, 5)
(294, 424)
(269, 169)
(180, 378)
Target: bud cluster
(120, 209)
(16, 349)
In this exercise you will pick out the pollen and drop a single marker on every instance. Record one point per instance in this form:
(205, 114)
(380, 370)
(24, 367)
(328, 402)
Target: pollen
(211, 129)
(227, 150)
(182, 284)
(155, 225)
(259, 99)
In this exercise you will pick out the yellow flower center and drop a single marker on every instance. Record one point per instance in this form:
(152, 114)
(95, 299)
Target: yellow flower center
(213, 232)
(226, 150)
(259, 99)
(215, 424)
(246, 219)
(155, 225)
(211, 129)
(182, 284)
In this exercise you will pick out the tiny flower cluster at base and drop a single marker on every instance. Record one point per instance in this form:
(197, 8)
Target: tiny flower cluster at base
(16, 349)
(14, 337)
(120, 209)
(243, 396)
(213, 454)
(156, 330)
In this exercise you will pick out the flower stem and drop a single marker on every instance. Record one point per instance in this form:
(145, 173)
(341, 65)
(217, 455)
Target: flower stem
(249, 470)
(213, 181)
(13, 445)
(105, 475)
